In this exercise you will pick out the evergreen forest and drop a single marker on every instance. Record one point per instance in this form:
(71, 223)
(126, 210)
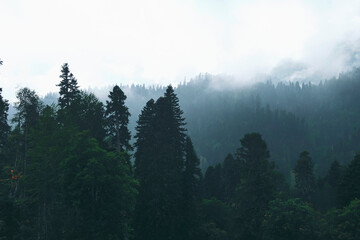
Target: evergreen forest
(271, 160)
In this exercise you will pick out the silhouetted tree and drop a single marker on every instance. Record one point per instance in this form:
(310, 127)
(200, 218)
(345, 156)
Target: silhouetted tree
(304, 177)
(257, 186)
(191, 191)
(4, 126)
(118, 118)
(68, 87)
(349, 188)
(231, 176)
(161, 174)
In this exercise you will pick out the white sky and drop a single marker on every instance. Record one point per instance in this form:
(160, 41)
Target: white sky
(163, 41)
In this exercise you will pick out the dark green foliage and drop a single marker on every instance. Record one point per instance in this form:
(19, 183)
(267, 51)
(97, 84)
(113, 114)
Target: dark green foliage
(257, 186)
(143, 144)
(158, 214)
(305, 185)
(88, 113)
(343, 224)
(4, 126)
(290, 219)
(28, 109)
(334, 175)
(231, 176)
(215, 218)
(191, 192)
(325, 197)
(99, 191)
(213, 185)
(349, 188)
(118, 118)
(68, 87)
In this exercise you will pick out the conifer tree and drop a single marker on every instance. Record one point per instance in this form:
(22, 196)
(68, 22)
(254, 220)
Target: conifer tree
(28, 110)
(191, 191)
(4, 126)
(213, 182)
(158, 214)
(231, 176)
(143, 142)
(349, 188)
(256, 188)
(68, 87)
(304, 177)
(118, 118)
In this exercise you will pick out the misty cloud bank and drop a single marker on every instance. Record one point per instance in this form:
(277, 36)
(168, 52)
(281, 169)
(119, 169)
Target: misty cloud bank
(164, 42)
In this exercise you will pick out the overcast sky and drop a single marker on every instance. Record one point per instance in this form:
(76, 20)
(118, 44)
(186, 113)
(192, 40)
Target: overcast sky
(163, 41)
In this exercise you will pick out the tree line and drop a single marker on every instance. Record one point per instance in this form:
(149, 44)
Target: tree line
(69, 171)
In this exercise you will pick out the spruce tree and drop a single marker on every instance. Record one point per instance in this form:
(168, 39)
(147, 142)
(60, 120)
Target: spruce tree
(28, 110)
(349, 188)
(144, 137)
(4, 126)
(304, 177)
(68, 87)
(257, 186)
(158, 214)
(191, 191)
(118, 118)
(231, 176)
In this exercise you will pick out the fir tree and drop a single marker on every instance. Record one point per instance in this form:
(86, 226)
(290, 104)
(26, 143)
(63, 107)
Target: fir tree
(28, 110)
(231, 176)
(161, 173)
(68, 87)
(349, 187)
(143, 138)
(191, 191)
(4, 126)
(304, 177)
(118, 118)
(257, 186)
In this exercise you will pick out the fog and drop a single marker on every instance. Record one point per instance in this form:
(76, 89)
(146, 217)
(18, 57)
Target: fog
(161, 42)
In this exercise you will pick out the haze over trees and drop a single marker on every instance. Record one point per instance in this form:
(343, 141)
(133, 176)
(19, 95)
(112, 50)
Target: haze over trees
(202, 164)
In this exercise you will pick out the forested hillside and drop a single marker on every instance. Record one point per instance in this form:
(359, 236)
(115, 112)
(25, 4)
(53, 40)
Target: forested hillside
(322, 118)
(282, 162)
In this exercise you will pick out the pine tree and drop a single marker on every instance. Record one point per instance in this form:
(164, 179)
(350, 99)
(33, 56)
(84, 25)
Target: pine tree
(304, 177)
(231, 176)
(213, 182)
(256, 188)
(144, 137)
(349, 187)
(118, 118)
(28, 110)
(4, 126)
(158, 212)
(68, 87)
(88, 113)
(191, 191)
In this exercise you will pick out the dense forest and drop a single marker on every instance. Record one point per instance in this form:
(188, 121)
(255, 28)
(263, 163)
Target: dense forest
(266, 161)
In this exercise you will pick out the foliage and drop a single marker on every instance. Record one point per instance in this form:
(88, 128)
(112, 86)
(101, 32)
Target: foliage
(290, 219)
(304, 177)
(118, 118)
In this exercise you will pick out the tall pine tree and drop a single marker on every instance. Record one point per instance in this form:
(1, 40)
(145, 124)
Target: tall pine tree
(159, 211)
(256, 188)
(4, 126)
(68, 87)
(304, 177)
(191, 191)
(118, 118)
